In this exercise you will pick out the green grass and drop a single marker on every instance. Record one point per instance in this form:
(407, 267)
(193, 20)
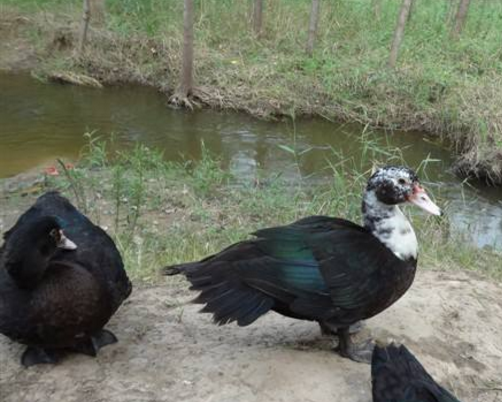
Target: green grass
(162, 213)
(450, 88)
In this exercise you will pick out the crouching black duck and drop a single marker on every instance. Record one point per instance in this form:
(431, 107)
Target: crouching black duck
(61, 279)
(319, 268)
(397, 375)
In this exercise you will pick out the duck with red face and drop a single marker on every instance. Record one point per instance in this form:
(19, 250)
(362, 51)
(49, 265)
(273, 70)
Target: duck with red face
(320, 268)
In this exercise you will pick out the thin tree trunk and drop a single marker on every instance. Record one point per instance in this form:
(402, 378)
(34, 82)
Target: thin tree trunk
(460, 18)
(399, 32)
(84, 27)
(186, 86)
(313, 24)
(257, 17)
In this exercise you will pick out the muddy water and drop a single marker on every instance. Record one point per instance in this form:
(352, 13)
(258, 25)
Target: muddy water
(39, 122)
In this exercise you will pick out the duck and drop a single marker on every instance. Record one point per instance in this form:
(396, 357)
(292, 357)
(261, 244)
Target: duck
(320, 268)
(61, 280)
(397, 375)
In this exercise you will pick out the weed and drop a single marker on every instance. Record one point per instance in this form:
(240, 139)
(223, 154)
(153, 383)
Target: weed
(163, 213)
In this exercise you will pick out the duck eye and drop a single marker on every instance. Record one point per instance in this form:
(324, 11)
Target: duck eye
(54, 233)
(402, 181)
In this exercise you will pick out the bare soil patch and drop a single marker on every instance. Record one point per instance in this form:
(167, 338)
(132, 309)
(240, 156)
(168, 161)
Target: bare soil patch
(169, 352)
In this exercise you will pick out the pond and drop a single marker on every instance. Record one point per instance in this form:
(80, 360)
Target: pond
(39, 122)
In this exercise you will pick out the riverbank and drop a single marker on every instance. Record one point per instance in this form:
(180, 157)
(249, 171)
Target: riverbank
(450, 89)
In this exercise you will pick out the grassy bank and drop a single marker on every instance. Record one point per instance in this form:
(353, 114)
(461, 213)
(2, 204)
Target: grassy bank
(451, 89)
(161, 213)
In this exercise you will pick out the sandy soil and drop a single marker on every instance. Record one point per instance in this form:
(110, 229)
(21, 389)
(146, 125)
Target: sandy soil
(169, 352)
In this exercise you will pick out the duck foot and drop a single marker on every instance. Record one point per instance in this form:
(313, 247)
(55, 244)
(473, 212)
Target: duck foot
(90, 346)
(103, 338)
(35, 355)
(361, 353)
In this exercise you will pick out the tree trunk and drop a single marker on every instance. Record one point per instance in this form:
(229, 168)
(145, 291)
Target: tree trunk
(186, 86)
(257, 17)
(460, 18)
(399, 32)
(314, 22)
(84, 27)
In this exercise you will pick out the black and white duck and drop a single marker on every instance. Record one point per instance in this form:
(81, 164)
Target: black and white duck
(320, 268)
(61, 279)
(396, 375)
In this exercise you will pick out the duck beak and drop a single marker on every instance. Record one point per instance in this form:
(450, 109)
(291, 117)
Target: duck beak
(65, 243)
(420, 198)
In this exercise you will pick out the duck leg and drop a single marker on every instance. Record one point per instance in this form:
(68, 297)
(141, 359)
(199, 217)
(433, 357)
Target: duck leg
(36, 355)
(330, 330)
(360, 353)
(91, 345)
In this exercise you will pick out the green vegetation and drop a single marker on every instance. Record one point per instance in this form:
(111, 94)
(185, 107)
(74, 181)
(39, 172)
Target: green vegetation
(450, 88)
(162, 213)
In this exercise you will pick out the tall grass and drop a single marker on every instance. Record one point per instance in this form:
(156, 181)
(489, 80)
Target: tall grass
(162, 213)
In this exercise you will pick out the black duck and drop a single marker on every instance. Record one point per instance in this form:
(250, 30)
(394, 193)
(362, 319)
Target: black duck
(61, 279)
(319, 268)
(397, 376)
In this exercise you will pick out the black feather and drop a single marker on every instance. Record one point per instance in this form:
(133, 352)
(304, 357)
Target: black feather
(397, 376)
(318, 268)
(51, 302)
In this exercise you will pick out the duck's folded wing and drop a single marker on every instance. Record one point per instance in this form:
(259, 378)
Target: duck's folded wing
(298, 270)
(353, 265)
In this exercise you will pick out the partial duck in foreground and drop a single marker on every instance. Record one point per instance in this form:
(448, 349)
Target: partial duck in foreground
(59, 289)
(397, 376)
(320, 268)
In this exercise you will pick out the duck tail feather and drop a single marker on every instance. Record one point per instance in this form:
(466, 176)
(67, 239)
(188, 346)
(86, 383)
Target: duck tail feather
(172, 270)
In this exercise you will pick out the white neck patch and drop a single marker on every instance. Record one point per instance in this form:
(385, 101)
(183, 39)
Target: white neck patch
(390, 226)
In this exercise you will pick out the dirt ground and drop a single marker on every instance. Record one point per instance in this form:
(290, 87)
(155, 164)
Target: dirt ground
(169, 352)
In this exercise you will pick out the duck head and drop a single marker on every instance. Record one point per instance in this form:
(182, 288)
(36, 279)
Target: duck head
(30, 245)
(393, 185)
(388, 188)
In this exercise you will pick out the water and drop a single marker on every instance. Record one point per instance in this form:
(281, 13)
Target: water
(39, 122)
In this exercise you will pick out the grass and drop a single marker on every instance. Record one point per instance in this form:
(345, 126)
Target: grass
(441, 86)
(163, 213)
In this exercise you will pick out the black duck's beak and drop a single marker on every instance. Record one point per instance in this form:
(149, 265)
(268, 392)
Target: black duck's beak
(420, 198)
(65, 243)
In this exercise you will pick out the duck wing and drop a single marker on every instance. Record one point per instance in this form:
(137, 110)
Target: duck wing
(361, 276)
(397, 376)
(303, 270)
